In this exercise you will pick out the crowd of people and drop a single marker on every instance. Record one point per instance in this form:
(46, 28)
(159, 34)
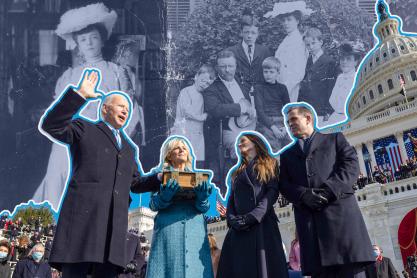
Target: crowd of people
(386, 174)
(25, 248)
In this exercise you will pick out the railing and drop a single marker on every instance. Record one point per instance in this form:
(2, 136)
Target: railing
(379, 115)
(389, 190)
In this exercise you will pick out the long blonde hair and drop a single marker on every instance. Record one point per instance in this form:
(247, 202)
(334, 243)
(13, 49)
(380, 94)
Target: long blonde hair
(169, 145)
(266, 166)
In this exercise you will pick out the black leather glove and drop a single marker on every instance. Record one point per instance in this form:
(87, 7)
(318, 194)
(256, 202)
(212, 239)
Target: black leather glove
(131, 267)
(243, 222)
(313, 199)
(234, 222)
(326, 192)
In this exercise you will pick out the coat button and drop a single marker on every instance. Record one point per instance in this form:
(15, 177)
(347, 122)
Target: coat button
(119, 156)
(106, 150)
(119, 173)
(116, 192)
(311, 174)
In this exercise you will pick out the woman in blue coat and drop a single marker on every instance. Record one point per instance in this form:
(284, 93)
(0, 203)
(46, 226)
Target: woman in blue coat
(180, 245)
(253, 245)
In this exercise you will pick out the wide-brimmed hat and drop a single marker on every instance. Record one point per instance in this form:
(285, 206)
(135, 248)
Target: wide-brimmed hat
(356, 48)
(77, 19)
(287, 8)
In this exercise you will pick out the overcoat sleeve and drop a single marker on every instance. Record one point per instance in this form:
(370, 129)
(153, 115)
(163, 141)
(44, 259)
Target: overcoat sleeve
(346, 169)
(292, 192)
(230, 209)
(267, 201)
(214, 107)
(141, 184)
(58, 120)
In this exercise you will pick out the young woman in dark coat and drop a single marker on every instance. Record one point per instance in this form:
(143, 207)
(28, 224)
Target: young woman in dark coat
(253, 245)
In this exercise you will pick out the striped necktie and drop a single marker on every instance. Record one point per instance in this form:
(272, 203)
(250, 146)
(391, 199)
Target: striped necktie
(118, 138)
(250, 53)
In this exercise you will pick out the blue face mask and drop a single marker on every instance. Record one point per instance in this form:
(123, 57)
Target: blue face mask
(3, 255)
(376, 253)
(37, 256)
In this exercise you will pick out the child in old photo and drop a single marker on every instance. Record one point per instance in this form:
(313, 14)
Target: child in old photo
(270, 97)
(319, 77)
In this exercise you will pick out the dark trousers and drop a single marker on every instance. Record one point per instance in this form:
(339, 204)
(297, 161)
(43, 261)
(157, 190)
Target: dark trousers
(340, 271)
(97, 270)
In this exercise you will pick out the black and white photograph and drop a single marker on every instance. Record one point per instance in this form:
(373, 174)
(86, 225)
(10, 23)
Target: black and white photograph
(45, 46)
(265, 55)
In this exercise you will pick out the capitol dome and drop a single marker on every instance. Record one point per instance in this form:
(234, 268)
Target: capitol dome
(378, 86)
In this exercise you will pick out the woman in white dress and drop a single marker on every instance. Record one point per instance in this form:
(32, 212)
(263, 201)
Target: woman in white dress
(292, 52)
(190, 114)
(86, 28)
(349, 57)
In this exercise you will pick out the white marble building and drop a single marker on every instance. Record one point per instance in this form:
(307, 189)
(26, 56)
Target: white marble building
(141, 219)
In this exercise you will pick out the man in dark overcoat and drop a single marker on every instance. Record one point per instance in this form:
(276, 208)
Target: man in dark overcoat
(249, 54)
(92, 225)
(317, 174)
(225, 99)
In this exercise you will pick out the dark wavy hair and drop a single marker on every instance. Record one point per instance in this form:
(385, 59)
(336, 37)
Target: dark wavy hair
(266, 166)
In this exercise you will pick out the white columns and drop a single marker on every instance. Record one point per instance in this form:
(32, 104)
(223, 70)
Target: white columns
(362, 168)
(370, 147)
(400, 140)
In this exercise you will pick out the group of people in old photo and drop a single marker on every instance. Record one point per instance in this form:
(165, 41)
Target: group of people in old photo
(249, 85)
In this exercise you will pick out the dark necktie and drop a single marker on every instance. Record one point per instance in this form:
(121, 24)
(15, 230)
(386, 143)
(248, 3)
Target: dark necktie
(250, 53)
(306, 144)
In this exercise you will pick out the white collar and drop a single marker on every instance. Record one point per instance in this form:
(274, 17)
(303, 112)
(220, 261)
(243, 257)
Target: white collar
(112, 128)
(245, 47)
(317, 56)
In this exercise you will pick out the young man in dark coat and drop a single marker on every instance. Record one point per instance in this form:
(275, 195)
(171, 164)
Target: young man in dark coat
(320, 76)
(249, 54)
(317, 174)
(92, 225)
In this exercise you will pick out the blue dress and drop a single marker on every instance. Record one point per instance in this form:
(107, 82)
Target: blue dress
(180, 245)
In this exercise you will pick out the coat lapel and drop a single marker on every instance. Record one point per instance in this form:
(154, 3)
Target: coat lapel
(242, 55)
(106, 130)
(256, 53)
(317, 139)
(224, 91)
(297, 151)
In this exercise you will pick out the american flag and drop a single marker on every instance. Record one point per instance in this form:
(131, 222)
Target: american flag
(220, 207)
(386, 154)
(394, 156)
(410, 143)
(402, 85)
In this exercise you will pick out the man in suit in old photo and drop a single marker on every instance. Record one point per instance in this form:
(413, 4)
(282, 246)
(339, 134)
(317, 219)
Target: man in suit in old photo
(229, 108)
(92, 225)
(317, 174)
(249, 54)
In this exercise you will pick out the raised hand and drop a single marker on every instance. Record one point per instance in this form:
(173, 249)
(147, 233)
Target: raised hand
(88, 84)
